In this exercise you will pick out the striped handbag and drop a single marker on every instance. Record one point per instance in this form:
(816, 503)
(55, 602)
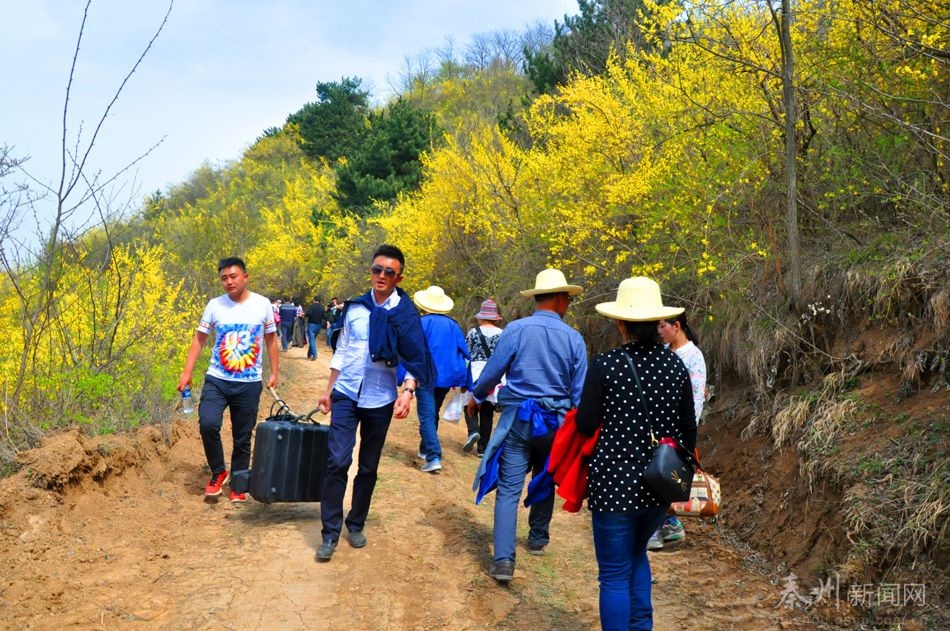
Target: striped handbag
(705, 497)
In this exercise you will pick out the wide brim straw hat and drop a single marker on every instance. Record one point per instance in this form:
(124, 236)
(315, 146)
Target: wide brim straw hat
(551, 281)
(638, 300)
(433, 300)
(488, 311)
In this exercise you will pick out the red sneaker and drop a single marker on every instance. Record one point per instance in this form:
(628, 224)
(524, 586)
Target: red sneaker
(237, 498)
(214, 486)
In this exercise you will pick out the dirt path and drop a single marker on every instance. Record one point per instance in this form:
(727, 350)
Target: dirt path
(113, 533)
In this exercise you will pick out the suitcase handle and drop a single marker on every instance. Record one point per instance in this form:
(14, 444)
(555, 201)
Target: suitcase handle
(282, 409)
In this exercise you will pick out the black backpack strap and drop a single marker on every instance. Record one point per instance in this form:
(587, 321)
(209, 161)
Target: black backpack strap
(483, 341)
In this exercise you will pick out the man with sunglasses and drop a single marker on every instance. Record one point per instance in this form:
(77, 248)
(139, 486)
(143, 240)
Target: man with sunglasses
(379, 329)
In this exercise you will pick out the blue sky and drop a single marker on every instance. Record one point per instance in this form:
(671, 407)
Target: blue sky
(220, 73)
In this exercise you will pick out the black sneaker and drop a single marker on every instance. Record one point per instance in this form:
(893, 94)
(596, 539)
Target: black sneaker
(357, 539)
(537, 549)
(325, 550)
(502, 571)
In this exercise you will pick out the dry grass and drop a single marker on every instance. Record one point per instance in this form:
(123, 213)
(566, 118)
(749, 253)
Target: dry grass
(790, 420)
(940, 309)
(896, 502)
(820, 407)
(820, 446)
(898, 513)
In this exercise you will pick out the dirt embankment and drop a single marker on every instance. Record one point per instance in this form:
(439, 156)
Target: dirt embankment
(113, 532)
(812, 525)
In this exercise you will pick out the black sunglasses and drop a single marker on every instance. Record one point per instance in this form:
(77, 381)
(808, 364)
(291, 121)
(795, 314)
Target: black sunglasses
(376, 270)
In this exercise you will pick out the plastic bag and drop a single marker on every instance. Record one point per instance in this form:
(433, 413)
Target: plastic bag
(453, 411)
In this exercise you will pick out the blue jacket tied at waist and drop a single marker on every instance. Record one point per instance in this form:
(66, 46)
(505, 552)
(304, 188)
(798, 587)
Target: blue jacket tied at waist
(543, 420)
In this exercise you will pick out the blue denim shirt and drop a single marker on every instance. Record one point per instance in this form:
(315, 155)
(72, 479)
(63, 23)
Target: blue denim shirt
(541, 356)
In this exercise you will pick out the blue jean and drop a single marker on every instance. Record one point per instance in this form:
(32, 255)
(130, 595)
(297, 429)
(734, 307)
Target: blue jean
(620, 541)
(345, 418)
(313, 330)
(517, 457)
(287, 328)
(428, 404)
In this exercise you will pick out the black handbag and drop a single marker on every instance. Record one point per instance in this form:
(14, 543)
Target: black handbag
(671, 468)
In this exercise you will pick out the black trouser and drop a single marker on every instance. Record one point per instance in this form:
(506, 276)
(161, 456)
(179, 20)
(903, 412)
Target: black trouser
(242, 398)
(373, 423)
(481, 422)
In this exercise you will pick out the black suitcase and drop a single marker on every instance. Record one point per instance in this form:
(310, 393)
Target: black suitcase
(289, 460)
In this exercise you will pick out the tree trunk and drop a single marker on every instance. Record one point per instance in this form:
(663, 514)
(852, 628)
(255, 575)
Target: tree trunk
(791, 150)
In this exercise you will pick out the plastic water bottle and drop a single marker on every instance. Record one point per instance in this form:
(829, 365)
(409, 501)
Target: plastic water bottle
(186, 406)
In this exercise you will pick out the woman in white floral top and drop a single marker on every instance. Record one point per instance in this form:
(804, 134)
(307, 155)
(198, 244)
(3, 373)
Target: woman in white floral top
(676, 333)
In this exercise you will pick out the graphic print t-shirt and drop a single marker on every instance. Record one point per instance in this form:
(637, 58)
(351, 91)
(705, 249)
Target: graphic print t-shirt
(239, 329)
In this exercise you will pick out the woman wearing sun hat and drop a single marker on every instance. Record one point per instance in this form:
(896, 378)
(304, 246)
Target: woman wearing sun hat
(625, 510)
(450, 356)
(481, 341)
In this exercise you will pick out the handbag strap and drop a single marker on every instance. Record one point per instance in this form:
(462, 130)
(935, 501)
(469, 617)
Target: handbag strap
(690, 458)
(483, 341)
(643, 397)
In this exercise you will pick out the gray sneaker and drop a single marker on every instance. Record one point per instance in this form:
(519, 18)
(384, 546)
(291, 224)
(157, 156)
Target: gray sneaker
(502, 571)
(655, 542)
(357, 539)
(471, 441)
(325, 550)
(432, 466)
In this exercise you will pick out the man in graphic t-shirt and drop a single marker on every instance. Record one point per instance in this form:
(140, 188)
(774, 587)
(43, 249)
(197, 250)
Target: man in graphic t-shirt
(243, 324)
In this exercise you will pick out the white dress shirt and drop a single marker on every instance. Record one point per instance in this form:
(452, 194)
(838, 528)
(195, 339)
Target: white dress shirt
(371, 384)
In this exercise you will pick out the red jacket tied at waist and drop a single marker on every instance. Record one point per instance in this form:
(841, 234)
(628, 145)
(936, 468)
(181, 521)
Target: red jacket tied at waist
(568, 464)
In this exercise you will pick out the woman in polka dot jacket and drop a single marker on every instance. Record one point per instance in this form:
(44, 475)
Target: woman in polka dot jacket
(625, 510)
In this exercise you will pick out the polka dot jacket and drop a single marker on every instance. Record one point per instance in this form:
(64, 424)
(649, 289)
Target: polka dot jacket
(610, 401)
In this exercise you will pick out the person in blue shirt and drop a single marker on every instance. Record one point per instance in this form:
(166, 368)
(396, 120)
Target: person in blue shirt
(545, 363)
(450, 356)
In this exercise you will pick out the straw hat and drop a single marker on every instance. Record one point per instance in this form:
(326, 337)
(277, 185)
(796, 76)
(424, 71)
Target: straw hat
(488, 311)
(638, 300)
(551, 281)
(433, 300)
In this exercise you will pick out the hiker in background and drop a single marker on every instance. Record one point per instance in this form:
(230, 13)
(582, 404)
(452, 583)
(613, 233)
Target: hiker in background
(288, 315)
(544, 362)
(677, 335)
(624, 509)
(316, 316)
(450, 356)
(481, 341)
(275, 306)
(380, 329)
(243, 324)
(300, 326)
(333, 320)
